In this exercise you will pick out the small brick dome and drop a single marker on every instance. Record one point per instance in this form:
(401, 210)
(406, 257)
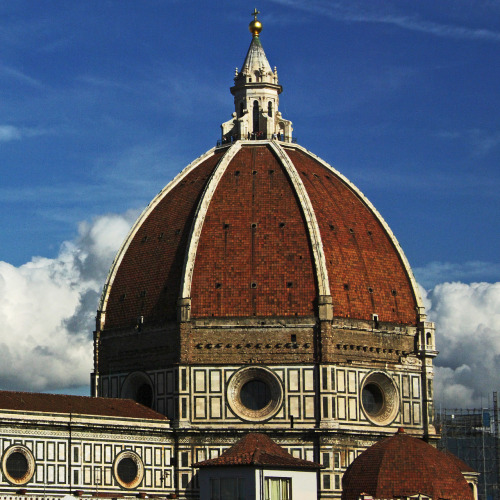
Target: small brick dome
(402, 466)
(258, 229)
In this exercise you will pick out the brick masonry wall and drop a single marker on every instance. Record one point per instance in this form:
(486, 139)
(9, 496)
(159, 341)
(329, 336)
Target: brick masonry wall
(135, 350)
(250, 345)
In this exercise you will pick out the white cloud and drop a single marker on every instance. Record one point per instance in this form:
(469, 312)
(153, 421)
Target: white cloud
(482, 142)
(48, 306)
(438, 272)
(467, 318)
(18, 76)
(363, 12)
(9, 133)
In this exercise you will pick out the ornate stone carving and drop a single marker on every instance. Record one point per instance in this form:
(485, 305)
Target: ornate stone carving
(243, 377)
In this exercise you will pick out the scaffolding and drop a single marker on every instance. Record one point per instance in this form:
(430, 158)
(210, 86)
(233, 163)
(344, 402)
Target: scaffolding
(473, 436)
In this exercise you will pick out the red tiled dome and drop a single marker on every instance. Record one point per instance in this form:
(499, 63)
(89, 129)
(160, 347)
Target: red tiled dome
(259, 229)
(402, 466)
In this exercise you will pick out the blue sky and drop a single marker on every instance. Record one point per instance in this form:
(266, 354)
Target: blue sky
(103, 102)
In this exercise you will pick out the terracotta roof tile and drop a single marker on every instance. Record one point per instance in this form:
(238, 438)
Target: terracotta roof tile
(460, 463)
(254, 224)
(148, 279)
(82, 405)
(258, 450)
(402, 466)
(359, 252)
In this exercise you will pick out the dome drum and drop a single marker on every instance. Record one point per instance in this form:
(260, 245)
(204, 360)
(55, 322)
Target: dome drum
(258, 341)
(351, 344)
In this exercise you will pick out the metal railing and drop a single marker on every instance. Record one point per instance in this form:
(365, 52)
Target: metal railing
(253, 137)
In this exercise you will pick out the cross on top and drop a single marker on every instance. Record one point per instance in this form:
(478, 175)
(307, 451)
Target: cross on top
(254, 14)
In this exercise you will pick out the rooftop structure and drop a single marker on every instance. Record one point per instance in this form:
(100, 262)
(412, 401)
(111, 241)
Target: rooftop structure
(401, 467)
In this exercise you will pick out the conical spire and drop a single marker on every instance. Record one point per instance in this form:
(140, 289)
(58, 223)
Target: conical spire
(256, 90)
(256, 61)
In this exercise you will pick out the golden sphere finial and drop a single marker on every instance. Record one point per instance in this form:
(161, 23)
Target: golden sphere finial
(255, 26)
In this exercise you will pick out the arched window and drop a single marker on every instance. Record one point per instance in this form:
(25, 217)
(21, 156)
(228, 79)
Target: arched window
(256, 116)
(138, 386)
(281, 126)
(270, 108)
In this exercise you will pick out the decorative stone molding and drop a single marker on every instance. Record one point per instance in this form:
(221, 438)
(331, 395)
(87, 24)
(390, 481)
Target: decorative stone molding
(128, 469)
(18, 465)
(235, 390)
(199, 219)
(184, 310)
(379, 398)
(326, 308)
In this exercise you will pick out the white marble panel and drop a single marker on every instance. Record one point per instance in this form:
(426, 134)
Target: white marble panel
(352, 385)
(308, 380)
(340, 380)
(415, 387)
(294, 409)
(215, 407)
(215, 381)
(293, 380)
(51, 454)
(308, 406)
(200, 380)
(416, 413)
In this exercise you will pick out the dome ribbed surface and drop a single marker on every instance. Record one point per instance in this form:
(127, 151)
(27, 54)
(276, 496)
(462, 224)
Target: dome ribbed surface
(360, 255)
(148, 278)
(403, 466)
(255, 254)
(254, 191)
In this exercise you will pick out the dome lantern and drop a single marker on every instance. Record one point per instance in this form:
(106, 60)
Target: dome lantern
(256, 97)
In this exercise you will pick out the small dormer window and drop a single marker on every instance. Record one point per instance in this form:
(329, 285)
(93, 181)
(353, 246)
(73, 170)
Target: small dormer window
(270, 109)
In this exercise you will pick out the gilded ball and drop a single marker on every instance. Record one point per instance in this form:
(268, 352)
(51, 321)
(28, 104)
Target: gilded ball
(255, 27)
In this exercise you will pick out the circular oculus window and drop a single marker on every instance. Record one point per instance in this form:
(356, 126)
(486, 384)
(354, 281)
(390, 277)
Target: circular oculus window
(379, 398)
(128, 469)
(254, 394)
(18, 465)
